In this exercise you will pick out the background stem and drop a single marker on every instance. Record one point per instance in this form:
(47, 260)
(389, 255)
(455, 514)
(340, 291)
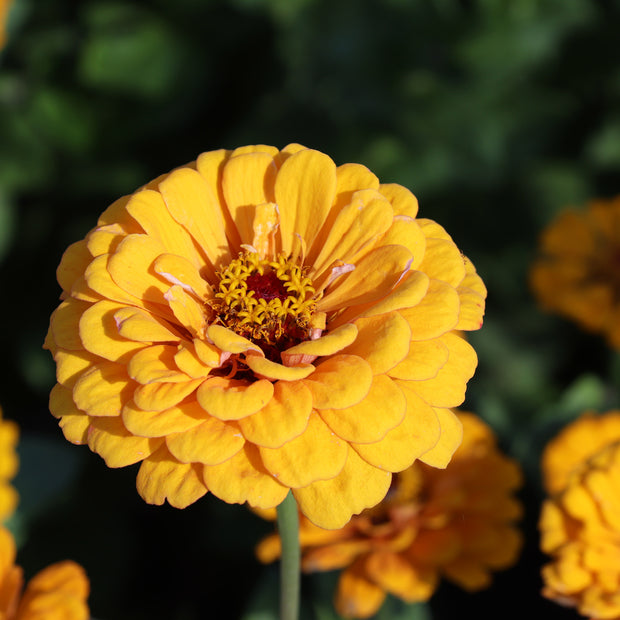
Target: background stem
(288, 527)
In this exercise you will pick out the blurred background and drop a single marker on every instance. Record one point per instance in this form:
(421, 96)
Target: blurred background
(497, 115)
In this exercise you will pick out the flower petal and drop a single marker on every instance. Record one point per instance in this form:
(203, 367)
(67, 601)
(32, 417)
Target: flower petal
(436, 314)
(382, 341)
(414, 436)
(103, 390)
(340, 381)
(211, 442)
(136, 324)
(316, 454)
(161, 477)
(247, 181)
(406, 231)
(383, 408)
(109, 438)
(424, 360)
(403, 201)
(64, 324)
(331, 503)
(284, 417)
(356, 596)
(72, 264)
(227, 340)
(232, 399)
(187, 361)
(156, 364)
(178, 270)
(243, 478)
(160, 396)
(266, 369)
(193, 203)
(395, 574)
(180, 418)
(188, 312)
(375, 275)
(304, 191)
(451, 436)
(73, 422)
(333, 342)
(447, 387)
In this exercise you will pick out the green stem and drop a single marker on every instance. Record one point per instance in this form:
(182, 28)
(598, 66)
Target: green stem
(288, 526)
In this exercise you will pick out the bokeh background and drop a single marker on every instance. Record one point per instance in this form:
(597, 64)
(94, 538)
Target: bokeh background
(496, 114)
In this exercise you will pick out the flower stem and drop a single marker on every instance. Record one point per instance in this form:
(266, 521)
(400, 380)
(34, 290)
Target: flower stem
(288, 527)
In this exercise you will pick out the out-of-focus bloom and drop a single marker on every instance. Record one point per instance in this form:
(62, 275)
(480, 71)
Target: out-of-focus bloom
(262, 320)
(5, 5)
(578, 272)
(58, 592)
(575, 444)
(580, 530)
(9, 463)
(457, 523)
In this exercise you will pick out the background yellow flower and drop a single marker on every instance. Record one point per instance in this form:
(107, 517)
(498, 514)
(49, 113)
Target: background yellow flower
(9, 463)
(578, 272)
(580, 530)
(458, 523)
(263, 320)
(58, 592)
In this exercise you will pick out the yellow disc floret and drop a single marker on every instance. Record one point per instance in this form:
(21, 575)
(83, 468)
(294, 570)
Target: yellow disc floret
(267, 301)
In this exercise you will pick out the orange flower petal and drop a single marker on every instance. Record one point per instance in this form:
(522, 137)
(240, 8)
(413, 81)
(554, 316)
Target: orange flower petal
(436, 314)
(161, 477)
(183, 417)
(284, 417)
(331, 503)
(243, 478)
(331, 343)
(450, 439)
(160, 396)
(266, 369)
(424, 360)
(414, 436)
(178, 270)
(188, 362)
(71, 364)
(188, 312)
(382, 341)
(443, 261)
(247, 181)
(360, 423)
(109, 438)
(156, 364)
(356, 596)
(316, 454)
(403, 201)
(72, 264)
(375, 275)
(232, 399)
(405, 231)
(103, 390)
(340, 381)
(136, 324)
(73, 422)
(227, 340)
(447, 388)
(211, 442)
(105, 239)
(64, 324)
(305, 188)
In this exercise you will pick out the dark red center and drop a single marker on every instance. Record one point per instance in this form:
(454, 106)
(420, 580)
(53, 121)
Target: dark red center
(267, 286)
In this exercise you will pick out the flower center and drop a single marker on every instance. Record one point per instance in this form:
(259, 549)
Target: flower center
(270, 302)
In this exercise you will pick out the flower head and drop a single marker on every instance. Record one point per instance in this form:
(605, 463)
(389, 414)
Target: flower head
(575, 444)
(577, 273)
(457, 523)
(9, 463)
(262, 320)
(58, 592)
(580, 530)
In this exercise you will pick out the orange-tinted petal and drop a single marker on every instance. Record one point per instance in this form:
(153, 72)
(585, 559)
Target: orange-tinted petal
(211, 442)
(136, 324)
(64, 324)
(183, 417)
(103, 389)
(266, 369)
(72, 264)
(227, 340)
(232, 399)
(316, 454)
(340, 381)
(450, 439)
(357, 596)
(331, 503)
(160, 396)
(156, 364)
(243, 478)
(285, 416)
(329, 344)
(161, 477)
(74, 423)
(381, 410)
(403, 201)
(424, 360)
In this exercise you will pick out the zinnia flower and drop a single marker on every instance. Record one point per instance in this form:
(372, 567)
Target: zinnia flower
(578, 272)
(9, 463)
(58, 592)
(576, 443)
(262, 320)
(580, 529)
(457, 523)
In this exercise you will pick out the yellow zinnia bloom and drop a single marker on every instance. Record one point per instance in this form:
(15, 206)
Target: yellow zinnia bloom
(457, 523)
(9, 463)
(58, 592)
(577, 273)
(262, 320)
(576, 443)
(580, 529)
